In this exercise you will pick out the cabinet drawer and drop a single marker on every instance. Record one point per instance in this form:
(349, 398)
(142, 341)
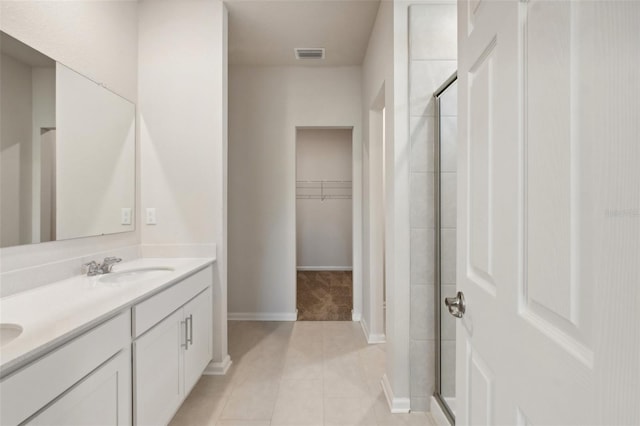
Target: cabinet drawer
(31, 388)
(153, 310)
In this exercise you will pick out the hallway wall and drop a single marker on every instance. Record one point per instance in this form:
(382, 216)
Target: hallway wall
(183, 139)
(377, 92)
(412, 50)
(266, 104)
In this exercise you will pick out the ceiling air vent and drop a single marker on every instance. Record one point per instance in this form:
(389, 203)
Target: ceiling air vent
(309, 52)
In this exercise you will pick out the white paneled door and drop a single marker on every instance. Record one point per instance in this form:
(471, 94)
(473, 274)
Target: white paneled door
(549, 212)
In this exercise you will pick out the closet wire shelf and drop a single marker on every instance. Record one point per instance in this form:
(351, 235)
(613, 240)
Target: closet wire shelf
(323, 190)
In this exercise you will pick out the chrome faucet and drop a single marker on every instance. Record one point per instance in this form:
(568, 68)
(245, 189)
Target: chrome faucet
(107, 264)
(92, 268)
(95, 268)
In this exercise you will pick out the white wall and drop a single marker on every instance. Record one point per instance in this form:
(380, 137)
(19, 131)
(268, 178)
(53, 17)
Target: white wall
(324, 226)
(182, 119)
(387, 80)
(265, 107)
(377, 92)
(386, 68)
(97, 39)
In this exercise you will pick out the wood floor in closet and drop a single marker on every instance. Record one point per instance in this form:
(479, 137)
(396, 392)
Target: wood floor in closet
(324, 295)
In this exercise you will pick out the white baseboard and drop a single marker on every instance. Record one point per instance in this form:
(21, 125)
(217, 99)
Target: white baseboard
(218, 368)
(371, 338)
(262, 316)
(324, 268)
(365, 329)
(377, 338)
(356, 316)
(396, 405)
(437, 413)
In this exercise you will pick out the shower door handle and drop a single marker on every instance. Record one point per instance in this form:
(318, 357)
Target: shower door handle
(456, 305)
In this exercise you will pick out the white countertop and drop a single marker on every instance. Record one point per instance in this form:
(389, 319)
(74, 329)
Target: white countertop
(53, 314)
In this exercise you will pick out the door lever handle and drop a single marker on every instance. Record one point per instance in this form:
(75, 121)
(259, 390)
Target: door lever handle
(456, 305)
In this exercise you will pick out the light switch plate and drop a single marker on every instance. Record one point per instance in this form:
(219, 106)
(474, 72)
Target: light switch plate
(151, 216)
(125, 216)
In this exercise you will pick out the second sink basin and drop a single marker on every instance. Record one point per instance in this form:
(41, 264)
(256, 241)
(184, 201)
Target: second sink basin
(136, 274)
(8, 332)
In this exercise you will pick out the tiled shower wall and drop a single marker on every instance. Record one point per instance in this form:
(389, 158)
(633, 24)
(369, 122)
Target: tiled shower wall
(432, 59)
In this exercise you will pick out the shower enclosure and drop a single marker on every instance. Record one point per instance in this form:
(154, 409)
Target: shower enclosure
(446, 102)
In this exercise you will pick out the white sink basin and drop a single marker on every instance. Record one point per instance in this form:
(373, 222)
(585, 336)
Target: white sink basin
(9, 332)
(132, 275)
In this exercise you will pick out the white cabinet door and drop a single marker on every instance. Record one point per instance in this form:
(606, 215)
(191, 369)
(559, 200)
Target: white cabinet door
(102, 398)
(158, 374)
(198, 353)
(549, 202)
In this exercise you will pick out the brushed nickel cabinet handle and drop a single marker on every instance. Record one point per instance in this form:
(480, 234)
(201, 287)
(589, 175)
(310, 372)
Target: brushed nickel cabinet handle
(190, 321)
(185, 345)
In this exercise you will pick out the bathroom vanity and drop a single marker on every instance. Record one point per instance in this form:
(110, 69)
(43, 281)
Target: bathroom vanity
(119, 348)
(123, 347)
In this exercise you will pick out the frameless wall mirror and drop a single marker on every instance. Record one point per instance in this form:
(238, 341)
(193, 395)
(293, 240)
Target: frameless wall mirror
(446, 102)
(67, 165)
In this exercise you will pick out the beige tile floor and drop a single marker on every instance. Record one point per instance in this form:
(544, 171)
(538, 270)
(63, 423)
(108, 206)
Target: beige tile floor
(296, 374)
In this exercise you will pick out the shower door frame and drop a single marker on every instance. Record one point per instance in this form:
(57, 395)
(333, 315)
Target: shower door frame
(438, 248)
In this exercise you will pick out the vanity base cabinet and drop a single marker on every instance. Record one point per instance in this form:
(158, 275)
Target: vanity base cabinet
(102, 398)
(46, 382)
(169, 359)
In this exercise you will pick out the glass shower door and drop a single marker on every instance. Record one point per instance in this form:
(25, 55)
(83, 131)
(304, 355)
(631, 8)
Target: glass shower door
(446, 103)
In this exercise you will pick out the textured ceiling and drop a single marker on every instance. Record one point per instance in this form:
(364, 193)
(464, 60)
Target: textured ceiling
(265, 32)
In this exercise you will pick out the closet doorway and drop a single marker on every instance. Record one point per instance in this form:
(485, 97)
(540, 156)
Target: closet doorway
(324, 224)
